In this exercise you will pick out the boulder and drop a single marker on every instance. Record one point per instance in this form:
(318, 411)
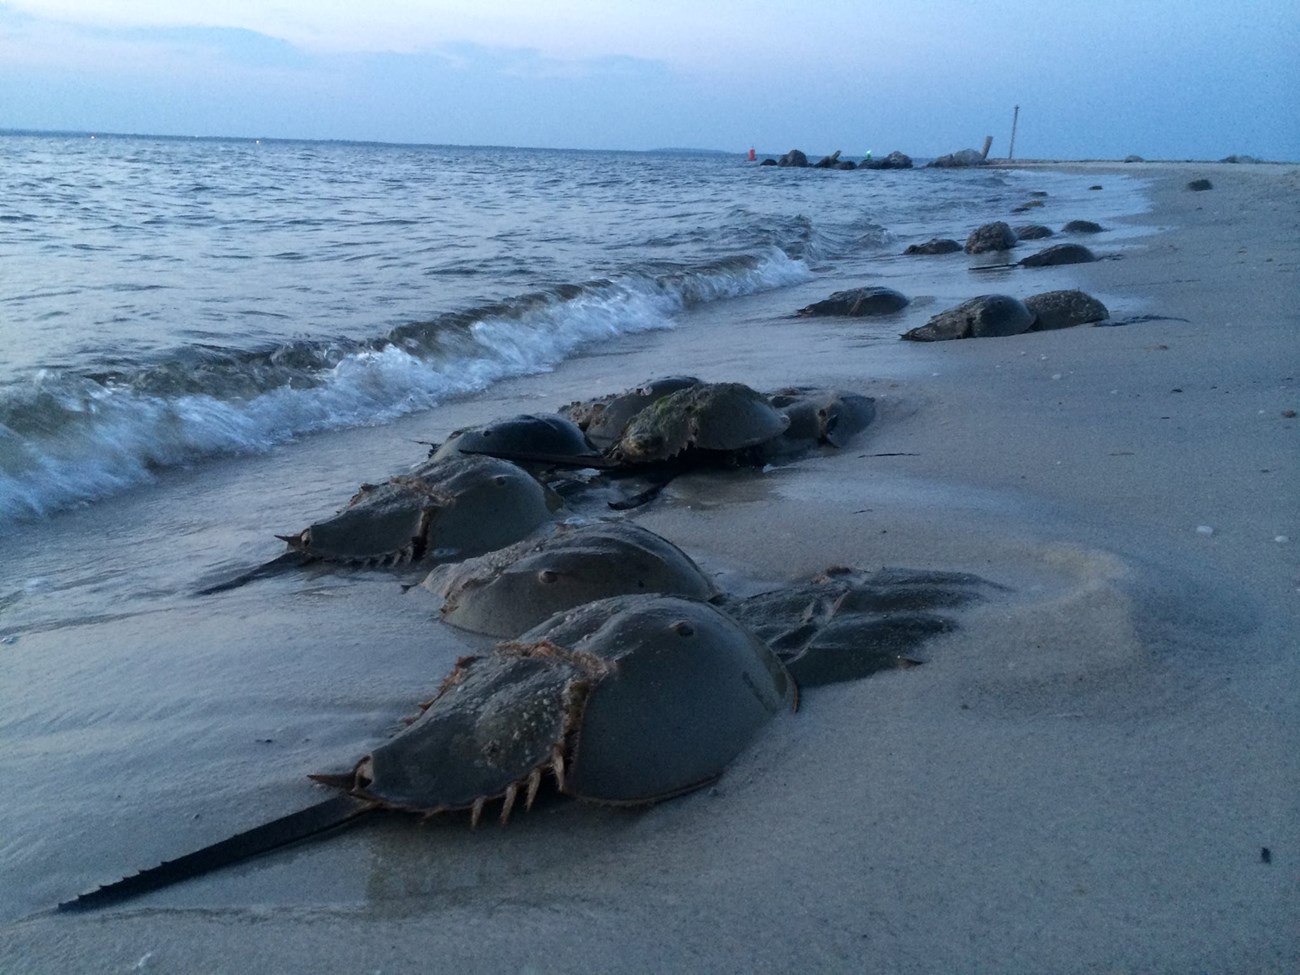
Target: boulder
(982, 317)
(966, 157)
(829, 162)
(1059, 254)
(1239, 159)
(1200, 184)
(1065, 309)
(1082, 227)
(1033, 231)
(996, 236)
(935, 245)
(846, 164)
(1030, 205)
(1131, 159)
(859, 302)
(768, 162)
(895, 160)
(793, 158)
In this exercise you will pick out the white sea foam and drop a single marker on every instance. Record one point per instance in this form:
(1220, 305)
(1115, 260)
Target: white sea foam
(96, 439)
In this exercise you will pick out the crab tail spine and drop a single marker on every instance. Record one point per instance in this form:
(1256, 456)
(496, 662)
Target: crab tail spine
(327, 815)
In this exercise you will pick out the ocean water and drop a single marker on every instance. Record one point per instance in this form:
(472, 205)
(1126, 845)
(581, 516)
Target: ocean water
(167, 301)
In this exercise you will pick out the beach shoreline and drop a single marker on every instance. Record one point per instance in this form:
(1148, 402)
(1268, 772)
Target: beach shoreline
(1083, 777)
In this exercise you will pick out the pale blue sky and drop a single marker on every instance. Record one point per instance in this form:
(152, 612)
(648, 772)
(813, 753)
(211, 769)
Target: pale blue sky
(1160, 78)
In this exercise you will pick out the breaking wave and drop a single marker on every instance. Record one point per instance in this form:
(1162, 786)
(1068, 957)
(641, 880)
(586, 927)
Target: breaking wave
(67, 438)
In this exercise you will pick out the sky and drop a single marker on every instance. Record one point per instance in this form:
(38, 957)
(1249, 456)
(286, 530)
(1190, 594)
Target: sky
(1164, 79)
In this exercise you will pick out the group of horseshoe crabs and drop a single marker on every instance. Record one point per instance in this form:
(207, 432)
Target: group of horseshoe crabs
(624, 676)
(490, 485)
(675, 420)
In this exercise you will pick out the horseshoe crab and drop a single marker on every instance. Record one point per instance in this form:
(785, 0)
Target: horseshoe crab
(935, 245)
(625, 701)
(719, 418)
(847, 624)
(821, 416)
(605, 419)
(1059, 254)
(525, 434)
(997, 236)
(1065, 309)
(858, 302)
(445, 510)
(1033, 231)
(695, 424)
(505, 592)
(980, 317)
(670, 425)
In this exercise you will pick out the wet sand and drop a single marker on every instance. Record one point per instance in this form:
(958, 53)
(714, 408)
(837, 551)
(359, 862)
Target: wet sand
(1083, 778)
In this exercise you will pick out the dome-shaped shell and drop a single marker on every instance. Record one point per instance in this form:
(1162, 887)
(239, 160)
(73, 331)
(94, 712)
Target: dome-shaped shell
(607, 425)
(981, 317)
(710, 416)
(625, 700)
(503, 593)
(822, 416)
(687, 689)
(524, 435)
(447, 509)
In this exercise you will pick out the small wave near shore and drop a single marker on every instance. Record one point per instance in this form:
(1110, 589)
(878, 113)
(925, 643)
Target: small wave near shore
(70, 438)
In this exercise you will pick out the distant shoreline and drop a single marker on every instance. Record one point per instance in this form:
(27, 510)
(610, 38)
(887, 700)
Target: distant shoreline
(992, 162)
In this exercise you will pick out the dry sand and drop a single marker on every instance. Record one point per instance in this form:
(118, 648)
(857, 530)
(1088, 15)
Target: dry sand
(1083, 778)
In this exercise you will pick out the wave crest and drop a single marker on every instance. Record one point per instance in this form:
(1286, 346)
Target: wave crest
(67, 439)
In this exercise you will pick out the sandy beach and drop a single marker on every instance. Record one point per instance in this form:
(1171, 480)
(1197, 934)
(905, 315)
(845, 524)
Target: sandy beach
(1097, 771)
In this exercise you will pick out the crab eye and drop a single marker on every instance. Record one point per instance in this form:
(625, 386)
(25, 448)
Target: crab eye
(682, 628)
(548, 576)
(500, 480)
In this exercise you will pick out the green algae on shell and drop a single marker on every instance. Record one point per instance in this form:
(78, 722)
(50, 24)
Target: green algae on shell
(607, 424)
(715, 417)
